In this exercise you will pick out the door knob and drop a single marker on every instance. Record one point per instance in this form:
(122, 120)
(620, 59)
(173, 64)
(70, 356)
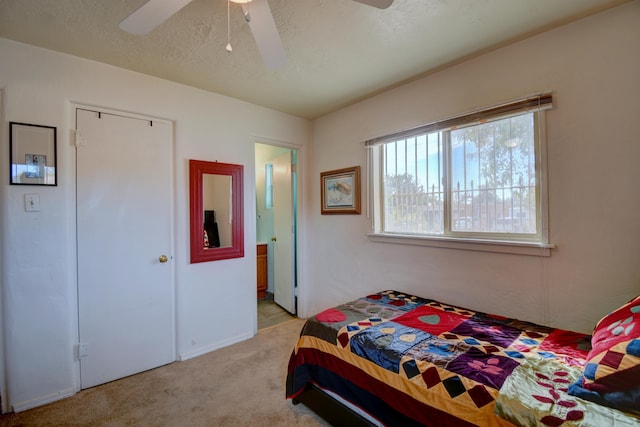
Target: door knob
(163, 258)
(273, 239)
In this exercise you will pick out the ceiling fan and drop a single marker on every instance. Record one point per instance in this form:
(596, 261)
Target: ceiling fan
(256, 12)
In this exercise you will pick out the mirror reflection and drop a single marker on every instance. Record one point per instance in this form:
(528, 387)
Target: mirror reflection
(218, 216)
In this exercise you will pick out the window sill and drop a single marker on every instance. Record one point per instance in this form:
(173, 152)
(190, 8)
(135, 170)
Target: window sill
(517, 248)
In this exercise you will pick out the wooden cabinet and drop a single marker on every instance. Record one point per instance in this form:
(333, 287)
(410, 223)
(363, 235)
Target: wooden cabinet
(262, 270)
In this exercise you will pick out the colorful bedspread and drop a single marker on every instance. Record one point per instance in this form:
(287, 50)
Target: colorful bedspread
(536, 394)
(406, 360)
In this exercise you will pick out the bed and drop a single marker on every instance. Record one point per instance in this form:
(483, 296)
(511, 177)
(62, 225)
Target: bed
(392, 358)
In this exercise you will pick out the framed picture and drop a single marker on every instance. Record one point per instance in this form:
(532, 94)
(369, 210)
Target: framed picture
(32, 154)
(340, 191)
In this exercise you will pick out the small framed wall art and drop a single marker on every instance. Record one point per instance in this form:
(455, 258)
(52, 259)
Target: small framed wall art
(340, 191)
(32, 154)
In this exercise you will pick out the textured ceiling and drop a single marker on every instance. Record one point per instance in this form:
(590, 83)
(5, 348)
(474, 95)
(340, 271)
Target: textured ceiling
(338, 51)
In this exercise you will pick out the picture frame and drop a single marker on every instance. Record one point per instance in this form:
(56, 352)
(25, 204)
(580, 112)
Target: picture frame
(32, 153)
(340, 191)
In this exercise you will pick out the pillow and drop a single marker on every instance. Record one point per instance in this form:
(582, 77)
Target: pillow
(613, 364)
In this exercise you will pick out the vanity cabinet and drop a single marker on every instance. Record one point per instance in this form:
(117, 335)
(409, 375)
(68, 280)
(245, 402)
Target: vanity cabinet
(262, 270)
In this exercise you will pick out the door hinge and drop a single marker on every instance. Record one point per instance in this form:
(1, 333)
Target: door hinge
(83, 350)
(79, 139)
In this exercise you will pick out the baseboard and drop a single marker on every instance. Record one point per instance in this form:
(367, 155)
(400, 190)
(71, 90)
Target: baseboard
(190, 355)
(43, 400)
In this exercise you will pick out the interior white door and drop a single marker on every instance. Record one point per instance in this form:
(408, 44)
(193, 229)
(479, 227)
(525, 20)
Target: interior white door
(283, 250)
(124, 217)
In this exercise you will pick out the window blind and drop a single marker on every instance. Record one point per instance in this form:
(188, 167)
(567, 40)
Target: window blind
(537, 102)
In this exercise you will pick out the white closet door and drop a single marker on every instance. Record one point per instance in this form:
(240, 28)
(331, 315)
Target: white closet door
(124, 224)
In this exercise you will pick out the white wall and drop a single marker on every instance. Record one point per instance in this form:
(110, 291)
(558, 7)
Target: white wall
(593, 68)
(216, 301)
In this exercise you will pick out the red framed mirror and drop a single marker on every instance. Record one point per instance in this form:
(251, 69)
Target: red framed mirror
(216, 207)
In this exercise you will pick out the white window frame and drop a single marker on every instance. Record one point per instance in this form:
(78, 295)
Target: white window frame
(536, 245)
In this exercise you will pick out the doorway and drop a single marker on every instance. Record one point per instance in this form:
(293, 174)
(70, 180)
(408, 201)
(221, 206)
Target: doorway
(124, 245)
(276, 189)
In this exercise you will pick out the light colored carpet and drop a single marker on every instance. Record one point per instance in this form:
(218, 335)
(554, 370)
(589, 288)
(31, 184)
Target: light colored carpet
(240, 385)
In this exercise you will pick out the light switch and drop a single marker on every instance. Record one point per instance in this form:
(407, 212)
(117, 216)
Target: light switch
(32, 203)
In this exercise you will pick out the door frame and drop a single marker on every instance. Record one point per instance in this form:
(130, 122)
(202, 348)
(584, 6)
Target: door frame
(4, 402)
(73, 107)
(300, 235)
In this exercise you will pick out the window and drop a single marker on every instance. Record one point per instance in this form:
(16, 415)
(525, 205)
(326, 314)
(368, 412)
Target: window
(268, 174)
(476, 177)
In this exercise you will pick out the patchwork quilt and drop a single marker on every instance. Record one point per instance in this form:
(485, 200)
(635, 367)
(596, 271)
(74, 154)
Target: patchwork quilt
(407, 360)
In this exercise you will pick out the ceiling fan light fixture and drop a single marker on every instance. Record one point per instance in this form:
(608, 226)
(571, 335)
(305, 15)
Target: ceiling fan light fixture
(247, 16)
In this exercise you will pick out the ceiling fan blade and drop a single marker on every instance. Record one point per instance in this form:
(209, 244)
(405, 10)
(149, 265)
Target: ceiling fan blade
(265, 33)
(380, 4)
(150, 15)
